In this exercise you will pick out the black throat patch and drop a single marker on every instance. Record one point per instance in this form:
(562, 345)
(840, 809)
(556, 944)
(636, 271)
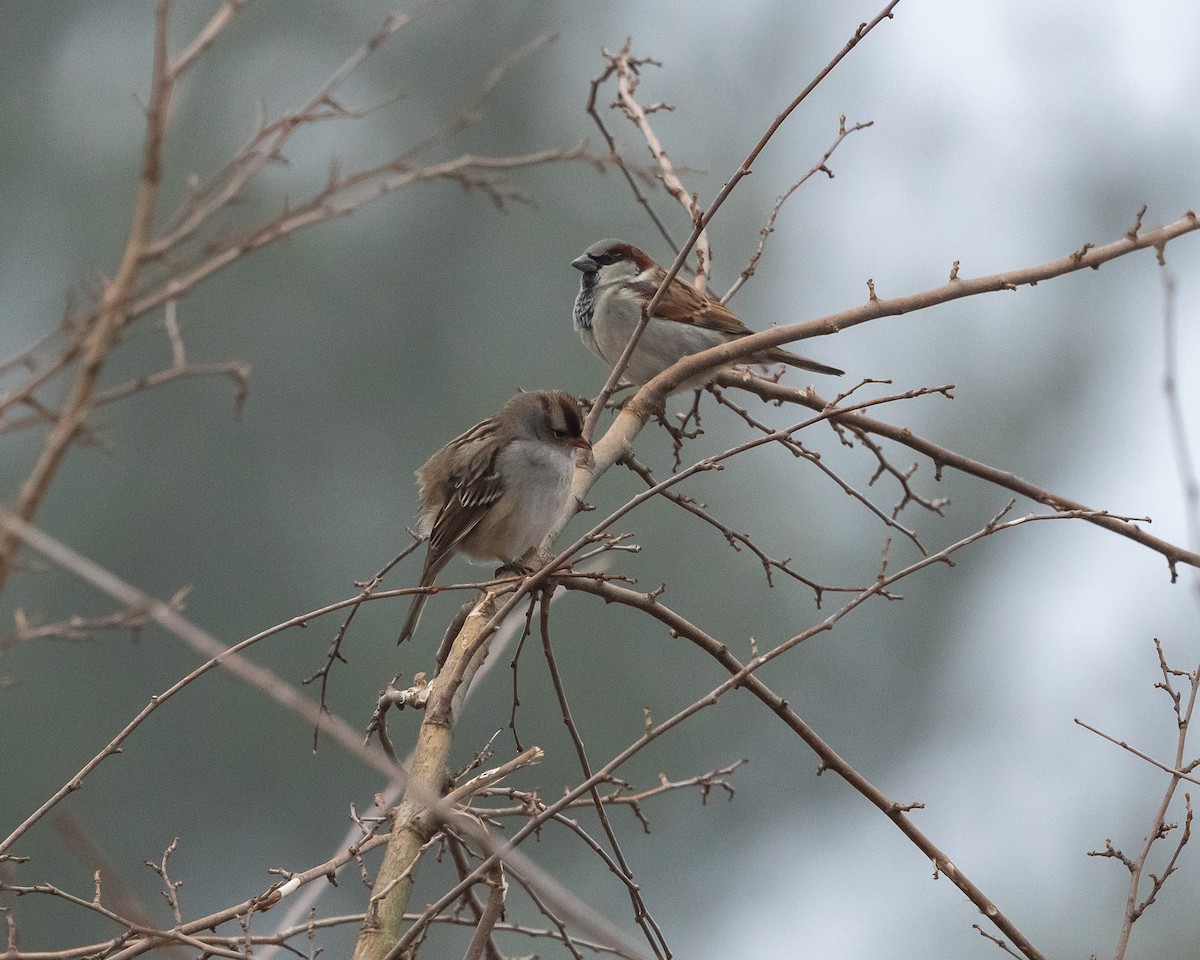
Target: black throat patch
(585, 302)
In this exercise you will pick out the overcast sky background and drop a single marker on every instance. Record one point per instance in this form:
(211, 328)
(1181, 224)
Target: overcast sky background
(1004, 135)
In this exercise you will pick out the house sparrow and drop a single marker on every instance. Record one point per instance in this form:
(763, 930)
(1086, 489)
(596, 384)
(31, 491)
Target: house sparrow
(618, 279)
(496, 490)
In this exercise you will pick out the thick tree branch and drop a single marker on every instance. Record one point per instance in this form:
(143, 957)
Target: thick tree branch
(649, 398)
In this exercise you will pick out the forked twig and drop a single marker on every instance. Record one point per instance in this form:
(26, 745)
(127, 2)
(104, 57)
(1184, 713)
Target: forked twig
(698, 227)
(641, 915)
(1136, 902)
(821, 166)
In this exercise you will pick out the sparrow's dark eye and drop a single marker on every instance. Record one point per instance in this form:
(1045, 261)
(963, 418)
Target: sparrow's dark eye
(559, 434)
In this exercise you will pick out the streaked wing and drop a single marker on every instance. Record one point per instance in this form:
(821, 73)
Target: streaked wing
(683, 304)
(474, 487)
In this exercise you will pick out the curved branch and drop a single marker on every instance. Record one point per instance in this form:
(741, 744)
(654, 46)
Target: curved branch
(742, 675)
(650, 397)
(943, 457)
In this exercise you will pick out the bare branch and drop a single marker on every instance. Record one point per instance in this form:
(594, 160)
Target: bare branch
(111, 313)
(1138, 753)
(799, 450)
(614, 154)
(1135, 903)
(699, 225)
(649, 397)
(220, 655)
(736, 539)
(821, 166)
(705, 781)
(491, 913)
(943, 457)
(641, 915)
(628, 78)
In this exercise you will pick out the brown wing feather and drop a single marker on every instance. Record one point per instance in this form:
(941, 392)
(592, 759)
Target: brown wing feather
(466, 496)
(471, 495)
(684, 304)
(469, 491)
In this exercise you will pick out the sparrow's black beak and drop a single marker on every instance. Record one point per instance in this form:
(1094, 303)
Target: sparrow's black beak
(585, 263)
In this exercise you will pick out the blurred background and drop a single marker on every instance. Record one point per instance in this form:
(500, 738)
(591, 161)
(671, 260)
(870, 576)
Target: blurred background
(1004, 136)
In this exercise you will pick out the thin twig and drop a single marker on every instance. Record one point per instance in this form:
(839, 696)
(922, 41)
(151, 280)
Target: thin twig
(334, 653)
(1138, 753)
(944, 457)
(798, 449)
(458, 852)
(111, 314)
(705, 781)
(206, 37)
(498, 888)
(628, 78)
(736, 539)
(821, 166)
(615, 154)
(220, 655)
(641, 915)
(1135, 907)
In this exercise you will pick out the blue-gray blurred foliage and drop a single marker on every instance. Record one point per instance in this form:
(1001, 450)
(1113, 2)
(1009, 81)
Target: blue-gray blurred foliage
(1003, 136)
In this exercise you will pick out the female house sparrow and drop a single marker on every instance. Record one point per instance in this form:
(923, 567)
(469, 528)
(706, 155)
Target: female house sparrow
(618, 279)
(496, 490)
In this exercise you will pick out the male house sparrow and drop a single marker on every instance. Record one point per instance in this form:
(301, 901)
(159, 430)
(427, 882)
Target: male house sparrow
(496, 490)
(618, 279)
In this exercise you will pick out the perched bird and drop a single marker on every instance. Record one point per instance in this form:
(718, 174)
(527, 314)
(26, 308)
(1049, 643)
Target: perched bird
(496, 490)
(619, 279)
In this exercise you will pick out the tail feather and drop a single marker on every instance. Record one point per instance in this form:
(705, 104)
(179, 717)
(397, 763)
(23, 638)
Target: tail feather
(432, 568)
(413, 618)
(779, 355)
